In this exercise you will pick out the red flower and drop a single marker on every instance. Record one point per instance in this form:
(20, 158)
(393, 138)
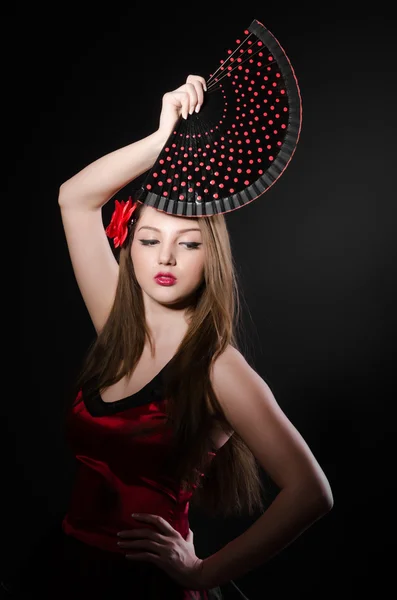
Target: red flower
(118, 226)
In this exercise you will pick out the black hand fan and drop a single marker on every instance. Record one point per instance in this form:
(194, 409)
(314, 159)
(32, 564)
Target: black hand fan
(240, 142)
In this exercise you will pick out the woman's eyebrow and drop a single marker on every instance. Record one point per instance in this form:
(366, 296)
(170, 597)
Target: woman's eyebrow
(179, 230)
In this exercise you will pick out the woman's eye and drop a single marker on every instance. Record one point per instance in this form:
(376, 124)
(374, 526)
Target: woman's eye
(189, 245)
(192, 245)
(148, 242)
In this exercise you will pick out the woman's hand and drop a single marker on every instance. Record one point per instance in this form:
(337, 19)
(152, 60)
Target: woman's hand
(183, 101)
(165, 548)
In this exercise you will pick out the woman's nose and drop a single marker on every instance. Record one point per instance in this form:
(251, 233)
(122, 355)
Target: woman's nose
(166, 256)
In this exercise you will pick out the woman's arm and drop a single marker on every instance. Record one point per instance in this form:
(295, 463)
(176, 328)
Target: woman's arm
(81, 199)
(305, 494)
(92, 187)
(290, 514)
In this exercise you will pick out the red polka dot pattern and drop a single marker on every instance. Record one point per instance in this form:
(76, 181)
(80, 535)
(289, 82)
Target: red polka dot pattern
(242, 139)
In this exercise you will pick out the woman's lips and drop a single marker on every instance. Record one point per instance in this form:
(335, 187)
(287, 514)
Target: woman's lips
(161, 280)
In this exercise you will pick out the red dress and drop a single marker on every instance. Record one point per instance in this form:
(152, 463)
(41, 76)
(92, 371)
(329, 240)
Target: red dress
(120, 472)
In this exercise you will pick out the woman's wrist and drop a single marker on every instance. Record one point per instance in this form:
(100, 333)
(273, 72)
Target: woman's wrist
(159, 139)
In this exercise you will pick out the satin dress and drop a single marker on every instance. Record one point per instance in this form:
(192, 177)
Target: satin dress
(119, 472)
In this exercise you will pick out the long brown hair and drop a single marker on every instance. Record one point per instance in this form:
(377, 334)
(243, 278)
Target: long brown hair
(230, 484)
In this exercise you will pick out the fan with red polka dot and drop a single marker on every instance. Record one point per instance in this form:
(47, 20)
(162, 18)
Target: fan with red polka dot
(240, 142)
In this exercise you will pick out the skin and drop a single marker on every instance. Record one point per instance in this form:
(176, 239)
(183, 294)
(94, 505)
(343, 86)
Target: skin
(181, 254)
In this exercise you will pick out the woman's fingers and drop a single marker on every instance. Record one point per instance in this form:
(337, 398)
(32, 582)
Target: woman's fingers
(186, 99)
(200, 87)
(193, 97)
(198, 79)
(188, 96)
(195, 86)
(183, 98)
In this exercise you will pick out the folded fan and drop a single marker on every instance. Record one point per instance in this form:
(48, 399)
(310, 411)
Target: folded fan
(240, 142)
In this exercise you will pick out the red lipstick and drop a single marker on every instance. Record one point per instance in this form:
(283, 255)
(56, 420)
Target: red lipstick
(165, 279)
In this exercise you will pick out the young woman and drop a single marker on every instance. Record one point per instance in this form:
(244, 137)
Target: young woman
(168, 409)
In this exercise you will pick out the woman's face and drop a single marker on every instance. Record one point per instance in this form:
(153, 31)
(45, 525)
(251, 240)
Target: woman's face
(161, 245)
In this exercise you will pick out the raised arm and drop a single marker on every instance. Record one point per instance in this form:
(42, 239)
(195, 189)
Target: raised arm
(82, 197)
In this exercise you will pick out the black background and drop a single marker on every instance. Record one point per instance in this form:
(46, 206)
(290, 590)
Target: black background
(316, 257)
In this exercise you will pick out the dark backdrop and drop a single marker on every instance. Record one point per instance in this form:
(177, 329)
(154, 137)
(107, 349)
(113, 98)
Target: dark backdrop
(316, 256)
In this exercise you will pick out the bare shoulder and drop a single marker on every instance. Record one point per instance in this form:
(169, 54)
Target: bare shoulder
(253, 413)
(237, 384)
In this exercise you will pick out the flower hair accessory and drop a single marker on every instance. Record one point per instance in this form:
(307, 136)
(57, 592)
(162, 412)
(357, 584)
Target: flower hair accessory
(120, 221)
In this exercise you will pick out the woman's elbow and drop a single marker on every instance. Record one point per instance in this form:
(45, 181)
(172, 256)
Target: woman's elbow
(314, 492)
(322, 496)
(63, 193)
(326, 501)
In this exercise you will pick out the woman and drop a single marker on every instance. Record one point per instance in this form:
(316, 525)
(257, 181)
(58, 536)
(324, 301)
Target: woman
(165, 315)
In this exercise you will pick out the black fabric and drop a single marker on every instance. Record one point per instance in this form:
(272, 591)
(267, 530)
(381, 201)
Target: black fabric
(152, 391)
(60, 567)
